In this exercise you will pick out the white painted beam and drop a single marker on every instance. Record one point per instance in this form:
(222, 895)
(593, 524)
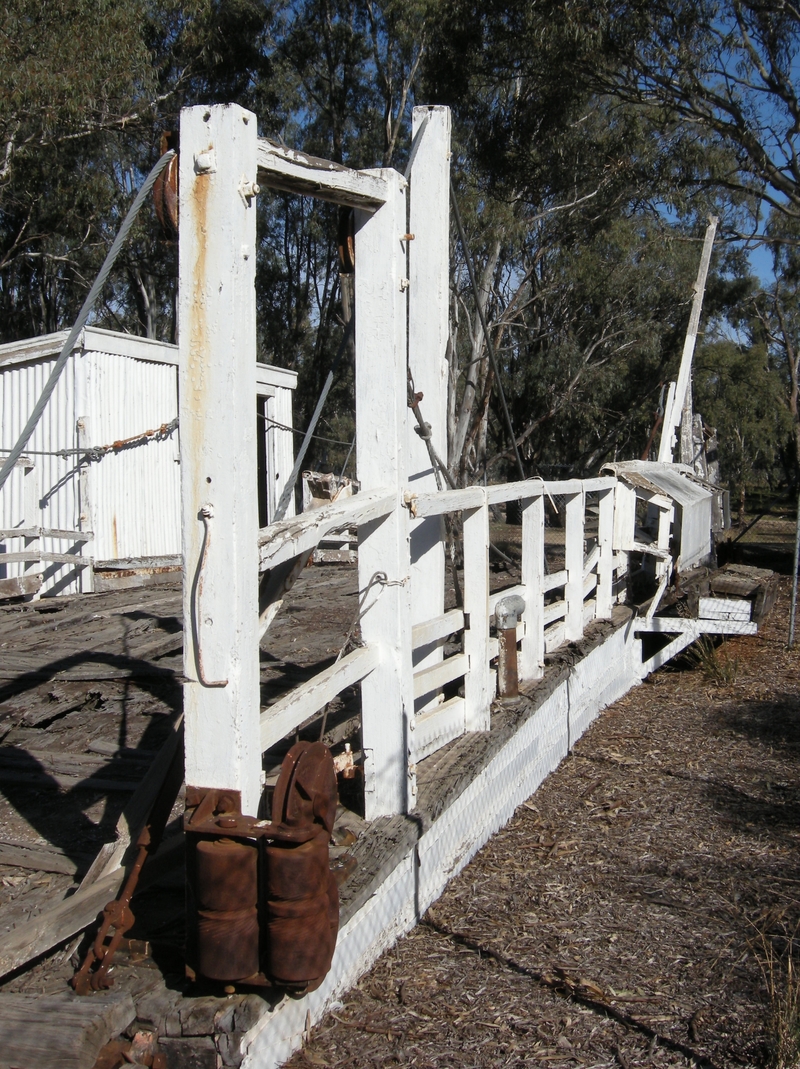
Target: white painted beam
(438, 628)
(573, 559)
(217, 320)
(531, 660)
(381, 405)
(303, 701)
(296, 172)
(428, 321)
(289, 538)
(437, 504)
(477, 685)
(605, 565)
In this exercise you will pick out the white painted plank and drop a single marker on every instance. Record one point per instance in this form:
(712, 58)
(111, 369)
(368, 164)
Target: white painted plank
(217, 318)
(498, 493)
(436, 727)
(289, 538)
(297, 172)
(438, 504)
(573, 560)
(605, 565)
(428, 331)
(556, 610)
(674, 625)
(724, 609)
(308, 698)
(438, 628)
(531, 658)
(554, 637)
(431, 679)
(591, 561)
(554, 580)
(476, 609)
(387, 694)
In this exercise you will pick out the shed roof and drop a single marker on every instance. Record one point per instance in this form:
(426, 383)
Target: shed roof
(677, 481)
(96, 339)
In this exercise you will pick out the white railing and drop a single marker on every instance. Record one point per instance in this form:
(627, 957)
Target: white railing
(26, 539)
(453, 693)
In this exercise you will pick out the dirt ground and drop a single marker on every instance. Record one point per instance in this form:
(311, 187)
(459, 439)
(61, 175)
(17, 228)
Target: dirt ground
(633, 911)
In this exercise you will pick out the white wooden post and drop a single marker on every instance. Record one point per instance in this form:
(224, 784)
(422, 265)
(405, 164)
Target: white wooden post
(531, 662)
(428, 256)
(477, 682)
(573, 554)
(85, 509)
(33, 514)
(218, 449)
(387, 694)
(605, 565)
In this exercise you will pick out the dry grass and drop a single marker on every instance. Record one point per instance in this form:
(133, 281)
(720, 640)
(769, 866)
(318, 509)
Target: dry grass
(714, 660)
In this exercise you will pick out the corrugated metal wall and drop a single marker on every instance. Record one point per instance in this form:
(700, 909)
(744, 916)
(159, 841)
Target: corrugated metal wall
(134, 493)
(129, 498)
(20, 387)
(280, 448)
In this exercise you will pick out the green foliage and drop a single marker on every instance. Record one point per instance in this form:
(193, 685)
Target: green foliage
(743, 396)
(589, 145)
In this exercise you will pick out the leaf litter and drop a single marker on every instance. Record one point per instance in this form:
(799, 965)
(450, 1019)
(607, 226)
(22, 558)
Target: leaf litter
(611, 922)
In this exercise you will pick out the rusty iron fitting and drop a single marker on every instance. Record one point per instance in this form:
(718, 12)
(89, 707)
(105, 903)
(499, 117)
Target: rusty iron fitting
(296, 870)
(226, 886)
(506, 615)
(301, 937)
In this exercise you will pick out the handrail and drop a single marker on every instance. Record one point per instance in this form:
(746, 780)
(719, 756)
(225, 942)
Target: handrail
(307, 698)
(296, 172)
(289, 538)
(470, 497)
(46, 532)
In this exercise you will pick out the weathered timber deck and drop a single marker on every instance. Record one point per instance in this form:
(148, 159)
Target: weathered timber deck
(89, 687)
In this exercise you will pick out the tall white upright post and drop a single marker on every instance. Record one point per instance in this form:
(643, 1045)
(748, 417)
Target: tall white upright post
(477, 683)
(218, 449)
(573, 562)
(387, 694)
(429, 293)
(531, 665)
(605, 565)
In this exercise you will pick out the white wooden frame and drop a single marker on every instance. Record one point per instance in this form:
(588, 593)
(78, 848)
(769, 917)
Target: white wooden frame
(400, 280)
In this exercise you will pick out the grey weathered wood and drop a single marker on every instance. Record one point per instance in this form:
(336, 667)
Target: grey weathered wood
(296, 172)
(33, 555)
(21, 585)
(60, 1031)
(287, 539)
(100, 883)
(37, 858)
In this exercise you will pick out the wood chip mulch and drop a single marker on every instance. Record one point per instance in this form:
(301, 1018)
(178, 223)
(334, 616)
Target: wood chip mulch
(626, 914)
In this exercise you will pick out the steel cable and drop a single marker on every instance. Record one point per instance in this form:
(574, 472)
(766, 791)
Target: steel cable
(83, 315)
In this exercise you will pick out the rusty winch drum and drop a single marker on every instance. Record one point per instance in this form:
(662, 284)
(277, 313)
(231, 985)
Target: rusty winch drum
(264, 905)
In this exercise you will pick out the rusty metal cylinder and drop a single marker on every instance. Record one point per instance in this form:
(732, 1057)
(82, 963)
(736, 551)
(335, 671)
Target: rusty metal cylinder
(226, 887)
(302, 911)
(296, 870)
